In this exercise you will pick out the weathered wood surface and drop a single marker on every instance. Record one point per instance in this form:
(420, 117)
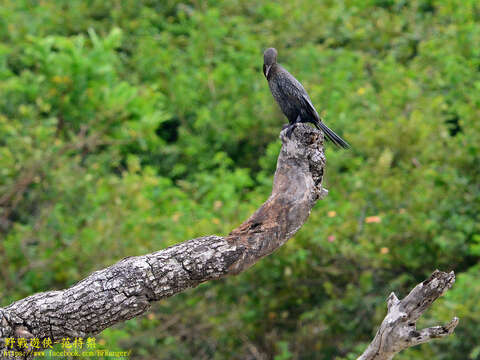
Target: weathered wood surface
(398, 330)
(127, 288)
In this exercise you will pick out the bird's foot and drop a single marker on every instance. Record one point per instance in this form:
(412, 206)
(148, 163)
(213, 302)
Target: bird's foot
(285, 126)
(290, 130)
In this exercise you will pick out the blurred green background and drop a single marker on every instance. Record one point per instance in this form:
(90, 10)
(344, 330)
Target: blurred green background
(127, 126)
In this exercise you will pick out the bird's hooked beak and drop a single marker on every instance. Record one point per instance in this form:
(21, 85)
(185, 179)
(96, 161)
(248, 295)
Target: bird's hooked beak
(266, 70)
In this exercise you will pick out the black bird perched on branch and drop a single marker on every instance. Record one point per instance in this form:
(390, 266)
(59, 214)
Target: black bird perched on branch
(293, 99)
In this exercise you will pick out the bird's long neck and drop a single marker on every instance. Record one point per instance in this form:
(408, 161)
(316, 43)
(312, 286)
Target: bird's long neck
(273, 71)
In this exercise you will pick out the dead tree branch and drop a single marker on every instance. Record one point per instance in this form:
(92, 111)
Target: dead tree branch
(126, 289)
(398, 330)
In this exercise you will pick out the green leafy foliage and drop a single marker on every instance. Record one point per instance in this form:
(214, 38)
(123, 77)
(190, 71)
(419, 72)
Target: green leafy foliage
(126, 127)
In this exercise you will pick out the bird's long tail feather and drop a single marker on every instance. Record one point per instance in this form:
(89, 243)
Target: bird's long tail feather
(330, 134)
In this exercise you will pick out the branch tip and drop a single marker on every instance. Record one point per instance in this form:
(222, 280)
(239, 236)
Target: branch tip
(392, 300)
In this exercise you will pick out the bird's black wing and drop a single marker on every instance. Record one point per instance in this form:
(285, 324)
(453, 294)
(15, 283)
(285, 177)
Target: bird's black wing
(310, 108)
(295, 92)
(291, 89)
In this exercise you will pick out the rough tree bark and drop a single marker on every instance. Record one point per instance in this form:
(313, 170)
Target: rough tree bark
(127, 288)
(398, 330)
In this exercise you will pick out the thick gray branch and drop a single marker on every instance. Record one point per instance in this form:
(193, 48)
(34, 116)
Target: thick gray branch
(126, 289)
(398, 330)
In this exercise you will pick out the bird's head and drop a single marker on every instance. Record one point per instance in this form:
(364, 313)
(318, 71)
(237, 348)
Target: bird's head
(269, 59)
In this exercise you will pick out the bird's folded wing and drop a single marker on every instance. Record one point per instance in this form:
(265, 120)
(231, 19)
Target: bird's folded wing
(310, 108)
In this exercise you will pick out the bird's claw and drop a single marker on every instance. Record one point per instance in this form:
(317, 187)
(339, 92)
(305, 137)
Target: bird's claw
(290, 130)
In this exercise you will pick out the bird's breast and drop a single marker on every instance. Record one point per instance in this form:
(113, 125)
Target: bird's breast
(277, 90)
